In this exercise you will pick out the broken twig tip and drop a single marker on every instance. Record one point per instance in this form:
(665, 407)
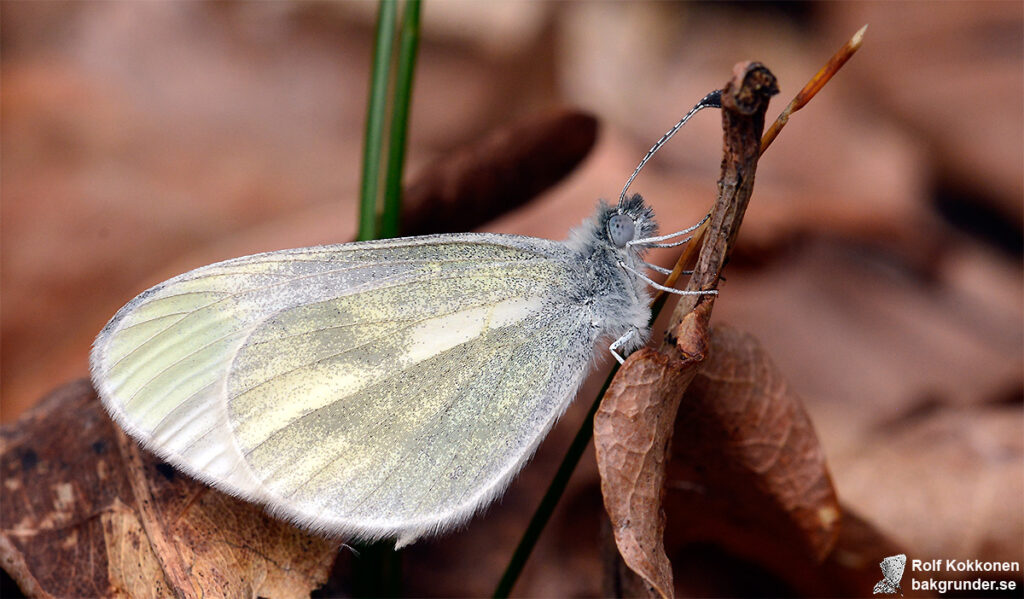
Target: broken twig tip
(858, 38)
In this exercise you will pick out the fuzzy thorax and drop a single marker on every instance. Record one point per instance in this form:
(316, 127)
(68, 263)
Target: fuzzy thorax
(619, 299)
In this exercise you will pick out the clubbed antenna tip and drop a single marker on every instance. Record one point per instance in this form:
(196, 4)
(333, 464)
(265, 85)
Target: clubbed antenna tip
(712, 100)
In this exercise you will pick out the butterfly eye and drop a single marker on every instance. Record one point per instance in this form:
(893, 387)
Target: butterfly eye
(621, 230)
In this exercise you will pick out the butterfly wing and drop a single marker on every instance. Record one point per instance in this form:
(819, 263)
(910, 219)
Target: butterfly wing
(374, 389)
(896, 565)
(883, 587)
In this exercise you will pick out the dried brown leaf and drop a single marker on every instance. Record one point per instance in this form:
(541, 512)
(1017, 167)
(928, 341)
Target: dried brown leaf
(850, 570)
(632, 436)
(87, 513)
(498, 173)
(852, 567)
(748, 465)
(958, 466)
(632, 430)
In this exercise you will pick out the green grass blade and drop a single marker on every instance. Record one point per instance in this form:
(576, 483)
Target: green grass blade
(409, 38)
(377, 569)
(552, 495)
(373, 142)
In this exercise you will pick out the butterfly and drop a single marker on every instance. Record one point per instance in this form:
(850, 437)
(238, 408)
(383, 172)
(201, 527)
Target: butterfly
(378, 389)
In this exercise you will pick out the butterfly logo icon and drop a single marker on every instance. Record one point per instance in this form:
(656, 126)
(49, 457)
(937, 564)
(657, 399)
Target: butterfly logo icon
(892, 569)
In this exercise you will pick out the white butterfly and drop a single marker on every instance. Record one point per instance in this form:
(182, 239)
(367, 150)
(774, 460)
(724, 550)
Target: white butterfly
(376, 389)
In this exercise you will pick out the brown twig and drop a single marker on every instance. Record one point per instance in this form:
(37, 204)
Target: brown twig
(634, 423)
(804, 96)
(814, 85)
(744, 102)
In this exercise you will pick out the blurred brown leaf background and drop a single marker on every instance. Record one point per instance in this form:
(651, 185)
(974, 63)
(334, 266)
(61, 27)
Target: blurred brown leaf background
(879, 264)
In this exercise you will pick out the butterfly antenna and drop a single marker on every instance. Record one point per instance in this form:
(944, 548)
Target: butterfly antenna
(712, 100)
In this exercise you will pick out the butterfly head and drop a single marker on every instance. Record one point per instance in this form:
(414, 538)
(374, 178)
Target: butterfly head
(632, 219)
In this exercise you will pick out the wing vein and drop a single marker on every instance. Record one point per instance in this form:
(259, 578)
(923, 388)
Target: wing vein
(509, 361)
(150, 380)
(149, 320)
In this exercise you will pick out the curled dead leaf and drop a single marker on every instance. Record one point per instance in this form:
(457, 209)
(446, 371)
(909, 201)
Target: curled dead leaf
(505, 169)
(632, 435)
(747, 472)
(632, 430)
(86, 513)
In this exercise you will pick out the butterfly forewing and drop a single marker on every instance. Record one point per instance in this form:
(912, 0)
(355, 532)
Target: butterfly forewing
(372, 389)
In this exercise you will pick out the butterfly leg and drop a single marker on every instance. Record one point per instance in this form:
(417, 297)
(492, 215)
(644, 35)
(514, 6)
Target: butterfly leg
(664, 288)
(663, 270)
(619, 343)
(657, 268)
(650, 241)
